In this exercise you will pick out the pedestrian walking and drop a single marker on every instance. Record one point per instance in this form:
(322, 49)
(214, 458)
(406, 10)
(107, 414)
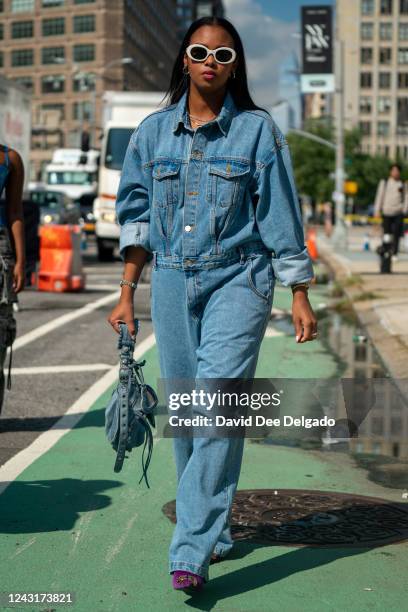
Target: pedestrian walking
(391, 202)
(207, 191)
(12, 254)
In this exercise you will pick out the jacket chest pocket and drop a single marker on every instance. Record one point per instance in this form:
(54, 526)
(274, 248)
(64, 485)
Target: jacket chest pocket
(166, 183)
(226, 181)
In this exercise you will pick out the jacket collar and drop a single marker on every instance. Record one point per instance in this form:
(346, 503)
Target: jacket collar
(223, 119)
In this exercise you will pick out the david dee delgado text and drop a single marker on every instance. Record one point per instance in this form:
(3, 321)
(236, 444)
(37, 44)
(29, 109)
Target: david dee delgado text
(252, 400)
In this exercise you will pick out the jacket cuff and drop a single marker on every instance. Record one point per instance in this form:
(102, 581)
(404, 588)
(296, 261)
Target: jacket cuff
(135, 234)
(294, 268)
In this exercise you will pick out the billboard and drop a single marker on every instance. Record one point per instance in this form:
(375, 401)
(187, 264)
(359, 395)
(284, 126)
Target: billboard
(317, 50)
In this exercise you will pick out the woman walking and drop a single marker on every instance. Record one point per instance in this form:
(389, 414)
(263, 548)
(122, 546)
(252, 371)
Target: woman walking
(12, 253)
(207, 192)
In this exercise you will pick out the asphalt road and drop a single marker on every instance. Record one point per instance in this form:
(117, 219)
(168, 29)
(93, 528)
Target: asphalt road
(64, 345)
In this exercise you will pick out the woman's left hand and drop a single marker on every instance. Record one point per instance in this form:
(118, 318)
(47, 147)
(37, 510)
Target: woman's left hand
(303, 317)
(18, 277)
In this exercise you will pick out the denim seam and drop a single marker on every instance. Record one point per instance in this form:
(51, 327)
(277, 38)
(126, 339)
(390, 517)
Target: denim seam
(182, 565)
(251, 283)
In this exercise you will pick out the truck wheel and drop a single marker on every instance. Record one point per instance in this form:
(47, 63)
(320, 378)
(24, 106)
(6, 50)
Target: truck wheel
(104, 253)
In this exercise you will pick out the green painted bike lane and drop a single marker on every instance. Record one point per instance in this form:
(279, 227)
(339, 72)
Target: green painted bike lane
(69, 523)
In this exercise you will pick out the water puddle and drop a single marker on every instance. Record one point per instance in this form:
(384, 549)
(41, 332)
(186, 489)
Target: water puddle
(372, 418)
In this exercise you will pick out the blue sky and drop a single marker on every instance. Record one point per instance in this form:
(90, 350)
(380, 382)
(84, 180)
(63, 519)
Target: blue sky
(288, 10)
(268, 31)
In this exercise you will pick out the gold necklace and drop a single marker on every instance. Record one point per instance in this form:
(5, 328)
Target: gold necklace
(198, 120)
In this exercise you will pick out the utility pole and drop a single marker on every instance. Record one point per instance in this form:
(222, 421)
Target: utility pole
(340, 235)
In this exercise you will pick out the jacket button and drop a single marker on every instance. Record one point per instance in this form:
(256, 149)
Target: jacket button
(188, 228)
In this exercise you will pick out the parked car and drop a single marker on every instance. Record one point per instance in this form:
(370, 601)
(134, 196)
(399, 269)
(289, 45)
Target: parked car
(85, 203)
(55, 207)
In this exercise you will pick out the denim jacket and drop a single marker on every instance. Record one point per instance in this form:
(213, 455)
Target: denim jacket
(191, 197)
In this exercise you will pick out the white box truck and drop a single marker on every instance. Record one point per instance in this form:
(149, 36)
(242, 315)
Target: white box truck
(122, 113)
(15, 120)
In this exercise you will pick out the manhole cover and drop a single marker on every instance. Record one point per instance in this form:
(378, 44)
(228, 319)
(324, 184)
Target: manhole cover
(313, 518)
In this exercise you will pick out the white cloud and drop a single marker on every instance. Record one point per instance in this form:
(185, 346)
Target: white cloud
(267, 42)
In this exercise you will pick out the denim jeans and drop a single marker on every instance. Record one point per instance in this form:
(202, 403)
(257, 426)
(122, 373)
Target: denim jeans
(209, 324)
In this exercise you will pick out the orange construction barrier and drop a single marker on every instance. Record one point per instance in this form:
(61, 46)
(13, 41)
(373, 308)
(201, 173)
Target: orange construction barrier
(60, 266)
(311, 244)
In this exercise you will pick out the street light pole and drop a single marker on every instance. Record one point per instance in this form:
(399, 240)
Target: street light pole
(340, 235)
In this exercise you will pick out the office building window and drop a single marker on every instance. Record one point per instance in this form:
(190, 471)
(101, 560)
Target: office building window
(59, 108)
(84, 83)
(26, 82)
(83, 1)
(384, 80)
(384, 104)
(365, 127)
(22, 6)
(403, 80)
(50, 54)
(1, 59)
(53, 27)
(84, 53)
(404, 7)
(366, 104)
(1, 6)
(367, 31)
(385, 31)
(366, 55)
(366, 79)
(52, 84)
(402, 116)
(386, 7)
(22, 57)
(403, 31)
(403, 55)
(52, 3)
(84, 23)
(1, 31)
(385, 55)
(82, 111)
(367, 7)
(22, 29)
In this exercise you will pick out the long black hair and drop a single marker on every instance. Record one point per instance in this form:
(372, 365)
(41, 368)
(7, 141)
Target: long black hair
(238, 86)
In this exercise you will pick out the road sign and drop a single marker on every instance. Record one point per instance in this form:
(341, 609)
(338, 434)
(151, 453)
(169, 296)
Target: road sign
(317, 50)
(350, 187)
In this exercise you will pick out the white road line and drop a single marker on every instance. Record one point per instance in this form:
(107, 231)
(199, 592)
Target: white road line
(45, 441)
(61, 369)
(272, 332)
(63, 319)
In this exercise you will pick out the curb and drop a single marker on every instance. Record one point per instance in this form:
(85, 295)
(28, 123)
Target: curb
(393, 353)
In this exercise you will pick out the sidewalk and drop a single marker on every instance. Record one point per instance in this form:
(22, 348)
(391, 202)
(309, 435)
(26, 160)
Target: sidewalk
(380, 300)
(69, 523)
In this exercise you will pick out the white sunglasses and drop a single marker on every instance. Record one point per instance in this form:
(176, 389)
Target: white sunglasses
(222, 55)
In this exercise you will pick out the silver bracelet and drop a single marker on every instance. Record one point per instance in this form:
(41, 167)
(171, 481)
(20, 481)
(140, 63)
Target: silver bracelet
(305, 285)
(129, 283)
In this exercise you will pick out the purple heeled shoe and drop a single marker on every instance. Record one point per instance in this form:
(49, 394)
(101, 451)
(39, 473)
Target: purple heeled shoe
(187, 581)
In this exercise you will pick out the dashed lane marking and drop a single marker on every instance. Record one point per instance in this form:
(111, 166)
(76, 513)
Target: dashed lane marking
(46, 328)
(62, 369)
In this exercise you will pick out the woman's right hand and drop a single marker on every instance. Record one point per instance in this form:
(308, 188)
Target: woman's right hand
(123, 313)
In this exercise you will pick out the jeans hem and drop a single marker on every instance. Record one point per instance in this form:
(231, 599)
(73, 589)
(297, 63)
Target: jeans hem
(222, 552)
(200, 570)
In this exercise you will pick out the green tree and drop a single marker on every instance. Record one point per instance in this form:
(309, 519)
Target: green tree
(313, 163)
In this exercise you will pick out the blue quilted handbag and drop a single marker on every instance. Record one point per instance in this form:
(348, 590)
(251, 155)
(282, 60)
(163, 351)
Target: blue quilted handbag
(129, 413)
